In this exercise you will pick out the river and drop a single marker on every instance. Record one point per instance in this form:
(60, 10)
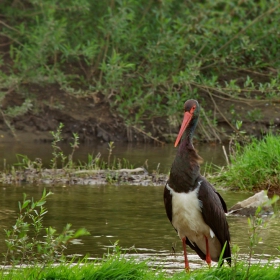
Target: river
(132, 215)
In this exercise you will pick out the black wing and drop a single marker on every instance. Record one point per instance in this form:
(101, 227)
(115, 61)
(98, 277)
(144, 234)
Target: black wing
(168, 202)
(220, 197)
(213, 212)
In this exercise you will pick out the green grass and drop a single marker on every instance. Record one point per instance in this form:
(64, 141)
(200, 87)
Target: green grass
(118, 267)
(254, 166)
(114, 267)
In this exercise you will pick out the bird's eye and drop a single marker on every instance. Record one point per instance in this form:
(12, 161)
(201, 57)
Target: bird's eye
(192, 109)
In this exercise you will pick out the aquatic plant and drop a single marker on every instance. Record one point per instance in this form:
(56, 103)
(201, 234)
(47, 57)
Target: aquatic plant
(256, 224)
(57, 152)
(74, 146)
(29, 242)
(65, 170)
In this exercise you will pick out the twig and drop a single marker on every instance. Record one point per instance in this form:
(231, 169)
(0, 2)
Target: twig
(199, 51)
(10, 27)
(9, 125)
(253, 72)
(136, 170)
(14, 40)
(204, 130)
(211, 126)
(221, 112)
(230, 98)
(225, 153)
(146, 134)
(5, 44)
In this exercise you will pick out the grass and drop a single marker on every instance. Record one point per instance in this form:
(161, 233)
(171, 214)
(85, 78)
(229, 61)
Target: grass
(112, 268)
(119, 267)
(253, 166)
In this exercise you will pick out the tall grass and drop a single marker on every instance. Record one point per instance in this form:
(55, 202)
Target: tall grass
(255, 165)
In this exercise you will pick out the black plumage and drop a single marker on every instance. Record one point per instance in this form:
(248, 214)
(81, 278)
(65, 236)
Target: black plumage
(193, 206)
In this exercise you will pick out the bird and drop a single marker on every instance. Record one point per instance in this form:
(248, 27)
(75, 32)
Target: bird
(193, 206)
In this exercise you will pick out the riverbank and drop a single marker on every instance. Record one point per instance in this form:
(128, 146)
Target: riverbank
(135, 176)
(126, 79)
(57, 163)
(95, 121)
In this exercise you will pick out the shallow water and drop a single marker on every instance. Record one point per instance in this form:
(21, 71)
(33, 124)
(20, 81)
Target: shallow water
(134, 216)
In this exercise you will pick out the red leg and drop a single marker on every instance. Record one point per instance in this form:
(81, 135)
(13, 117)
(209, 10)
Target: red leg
(208, 257)
(187, 267)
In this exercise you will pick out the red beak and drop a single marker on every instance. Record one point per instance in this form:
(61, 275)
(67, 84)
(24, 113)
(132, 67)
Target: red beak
(186, 120)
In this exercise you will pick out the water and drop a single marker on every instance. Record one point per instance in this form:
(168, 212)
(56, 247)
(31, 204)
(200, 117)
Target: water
(133, 215)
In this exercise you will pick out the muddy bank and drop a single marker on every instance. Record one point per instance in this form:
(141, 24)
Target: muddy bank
(94, 119)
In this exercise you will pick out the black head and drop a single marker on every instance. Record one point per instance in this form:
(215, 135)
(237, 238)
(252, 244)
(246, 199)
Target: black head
(190, 119)
(192, 107)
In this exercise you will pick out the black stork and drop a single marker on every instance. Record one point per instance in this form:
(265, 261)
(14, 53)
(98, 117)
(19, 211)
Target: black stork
(195, 209)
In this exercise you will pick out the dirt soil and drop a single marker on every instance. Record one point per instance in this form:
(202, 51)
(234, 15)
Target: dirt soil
(92, 118)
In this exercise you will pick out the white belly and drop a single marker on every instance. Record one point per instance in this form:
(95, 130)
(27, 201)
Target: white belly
(188, 221)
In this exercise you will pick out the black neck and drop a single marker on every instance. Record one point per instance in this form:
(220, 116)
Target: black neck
(185, 168)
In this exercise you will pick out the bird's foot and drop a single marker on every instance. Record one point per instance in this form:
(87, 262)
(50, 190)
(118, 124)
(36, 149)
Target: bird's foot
(187, 266)
(209, 264)
(208, 257)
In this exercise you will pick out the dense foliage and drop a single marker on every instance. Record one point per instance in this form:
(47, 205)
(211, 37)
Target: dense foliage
(141, 55)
